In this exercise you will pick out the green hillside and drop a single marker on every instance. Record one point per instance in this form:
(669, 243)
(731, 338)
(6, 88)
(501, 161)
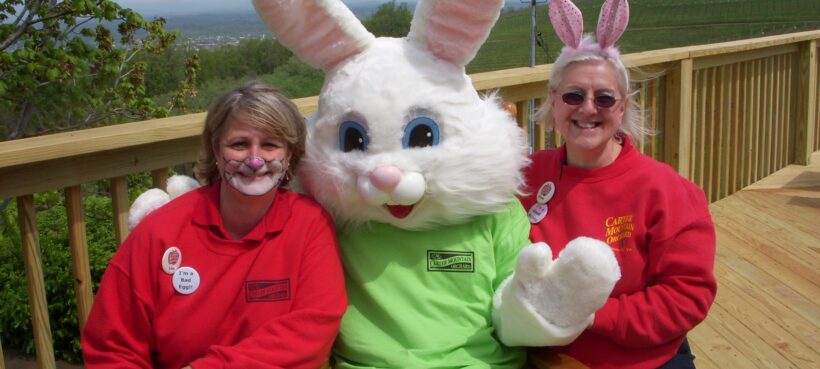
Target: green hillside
(653, 24)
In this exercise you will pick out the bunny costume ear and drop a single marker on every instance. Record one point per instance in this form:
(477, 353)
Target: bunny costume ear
(323, 33)
(567, 21)
(612, 22)
(454, 30)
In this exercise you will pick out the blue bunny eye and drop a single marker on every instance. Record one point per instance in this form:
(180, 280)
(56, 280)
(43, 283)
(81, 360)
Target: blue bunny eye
(352, 136)
(420, 132)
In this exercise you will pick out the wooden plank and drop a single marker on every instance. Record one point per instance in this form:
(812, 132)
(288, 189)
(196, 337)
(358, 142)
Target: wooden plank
(523, 91)
(770, 318)
(36, 285)
(718, 345)
(699, 131)
(806, 106)
(701, 360)
(757, 151)
(712, 152)
(745, 340)
(684, 144)
(83, 283)
(736, 122)
(768, 86)
(75, 170)
(540, 134)
(725, 132)
(159, 178)
(120, 205)
(739, 57)
(791, 103)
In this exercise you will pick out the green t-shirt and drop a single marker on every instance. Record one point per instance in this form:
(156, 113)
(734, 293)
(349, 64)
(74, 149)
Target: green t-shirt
(423, 299)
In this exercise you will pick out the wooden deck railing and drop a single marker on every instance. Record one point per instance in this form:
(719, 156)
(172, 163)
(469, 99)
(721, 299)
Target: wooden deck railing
(727, 114)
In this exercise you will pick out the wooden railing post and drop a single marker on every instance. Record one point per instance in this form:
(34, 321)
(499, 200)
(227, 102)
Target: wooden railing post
(79, 253)
(2, 357)
(36, 285)
(678, 147)
(119, 204)
(806, 103)
(160, 178)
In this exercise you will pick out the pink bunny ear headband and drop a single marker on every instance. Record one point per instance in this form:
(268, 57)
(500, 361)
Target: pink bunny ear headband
(569, 25)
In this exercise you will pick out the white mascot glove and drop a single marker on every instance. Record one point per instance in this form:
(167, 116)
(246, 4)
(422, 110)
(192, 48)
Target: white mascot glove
(549, 303)
(154, 198)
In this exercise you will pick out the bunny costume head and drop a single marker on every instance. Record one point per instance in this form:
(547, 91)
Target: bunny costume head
(401, 136)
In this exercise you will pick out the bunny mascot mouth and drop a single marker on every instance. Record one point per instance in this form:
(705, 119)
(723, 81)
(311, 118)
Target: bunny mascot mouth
(390, 187)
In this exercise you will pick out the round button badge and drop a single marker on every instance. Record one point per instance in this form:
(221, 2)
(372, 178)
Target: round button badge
(537, 213)
(171, 260)
(186, 280)
(546, 192)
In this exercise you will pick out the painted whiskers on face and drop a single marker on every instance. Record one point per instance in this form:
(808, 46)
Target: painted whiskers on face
(254, 176)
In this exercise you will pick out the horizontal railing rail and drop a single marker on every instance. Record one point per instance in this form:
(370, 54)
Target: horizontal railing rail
(726, 114)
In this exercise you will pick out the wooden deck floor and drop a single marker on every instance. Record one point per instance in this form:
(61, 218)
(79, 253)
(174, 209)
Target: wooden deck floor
(767, 311)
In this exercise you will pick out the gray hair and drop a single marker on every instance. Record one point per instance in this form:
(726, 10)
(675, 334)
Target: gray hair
(631, 124)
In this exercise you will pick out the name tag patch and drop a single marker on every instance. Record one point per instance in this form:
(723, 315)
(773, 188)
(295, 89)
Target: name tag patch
(266, 291)
(450, 261)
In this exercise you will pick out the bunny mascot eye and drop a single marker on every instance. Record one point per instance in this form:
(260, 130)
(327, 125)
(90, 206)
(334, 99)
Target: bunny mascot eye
(352, 136)
(420, 132)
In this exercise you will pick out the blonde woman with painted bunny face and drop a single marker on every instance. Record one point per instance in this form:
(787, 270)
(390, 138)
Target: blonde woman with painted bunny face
(241, 272)
(598, 185)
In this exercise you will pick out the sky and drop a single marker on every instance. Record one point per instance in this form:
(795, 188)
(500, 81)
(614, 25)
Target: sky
(176, 7)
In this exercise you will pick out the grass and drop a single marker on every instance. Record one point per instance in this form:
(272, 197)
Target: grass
(653, 24)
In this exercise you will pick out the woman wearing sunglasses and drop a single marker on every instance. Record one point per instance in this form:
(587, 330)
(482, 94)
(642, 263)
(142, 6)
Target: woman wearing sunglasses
(598, 185)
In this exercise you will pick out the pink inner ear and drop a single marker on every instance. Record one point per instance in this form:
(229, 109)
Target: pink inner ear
(456, 29)
(567, 21)
(312, 33)
(612, 22)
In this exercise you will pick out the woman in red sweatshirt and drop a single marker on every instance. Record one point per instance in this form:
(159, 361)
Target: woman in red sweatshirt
(240, 273)
(598, 185)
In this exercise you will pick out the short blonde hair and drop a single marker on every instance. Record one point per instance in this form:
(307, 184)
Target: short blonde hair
(262, 107)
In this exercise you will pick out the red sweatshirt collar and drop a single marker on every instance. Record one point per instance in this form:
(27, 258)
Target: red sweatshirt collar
(621, 164)
(207, 214)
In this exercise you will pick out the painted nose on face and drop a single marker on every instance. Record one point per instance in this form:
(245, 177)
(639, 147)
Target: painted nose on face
(385, 177)
(255, 163)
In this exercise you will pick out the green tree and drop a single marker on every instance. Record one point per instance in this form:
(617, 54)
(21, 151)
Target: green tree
(390, 20)
(62, 67)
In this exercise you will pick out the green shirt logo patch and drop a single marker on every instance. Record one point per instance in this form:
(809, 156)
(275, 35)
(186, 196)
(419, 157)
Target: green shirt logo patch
(450, 261)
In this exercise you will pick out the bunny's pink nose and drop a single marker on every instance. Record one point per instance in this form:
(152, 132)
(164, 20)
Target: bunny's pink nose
(255, 163)
(385, 177)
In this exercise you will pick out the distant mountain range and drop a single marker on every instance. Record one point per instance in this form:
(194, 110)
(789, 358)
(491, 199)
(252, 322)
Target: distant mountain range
(243, 23)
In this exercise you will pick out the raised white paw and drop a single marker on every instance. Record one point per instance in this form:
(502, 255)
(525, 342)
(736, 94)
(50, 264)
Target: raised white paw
(571, 288)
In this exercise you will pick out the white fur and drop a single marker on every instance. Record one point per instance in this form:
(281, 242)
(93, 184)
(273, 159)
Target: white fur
(144, 204)
(475, 169)
(178, 185)
(582, 276)
(154, 198)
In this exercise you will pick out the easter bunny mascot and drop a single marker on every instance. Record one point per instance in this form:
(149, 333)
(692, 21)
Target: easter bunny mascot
(420, 174)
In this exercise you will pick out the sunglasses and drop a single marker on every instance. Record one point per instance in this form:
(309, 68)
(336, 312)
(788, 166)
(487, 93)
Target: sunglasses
(577, 98)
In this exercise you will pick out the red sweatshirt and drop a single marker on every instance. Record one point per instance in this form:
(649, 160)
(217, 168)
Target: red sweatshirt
(659, 226)
(273, 299)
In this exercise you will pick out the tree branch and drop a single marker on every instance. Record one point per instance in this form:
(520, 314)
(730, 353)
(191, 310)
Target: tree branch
(12, 38)
(22, 121)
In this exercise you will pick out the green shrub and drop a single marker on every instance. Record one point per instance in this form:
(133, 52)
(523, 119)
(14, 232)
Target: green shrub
(15, 313)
